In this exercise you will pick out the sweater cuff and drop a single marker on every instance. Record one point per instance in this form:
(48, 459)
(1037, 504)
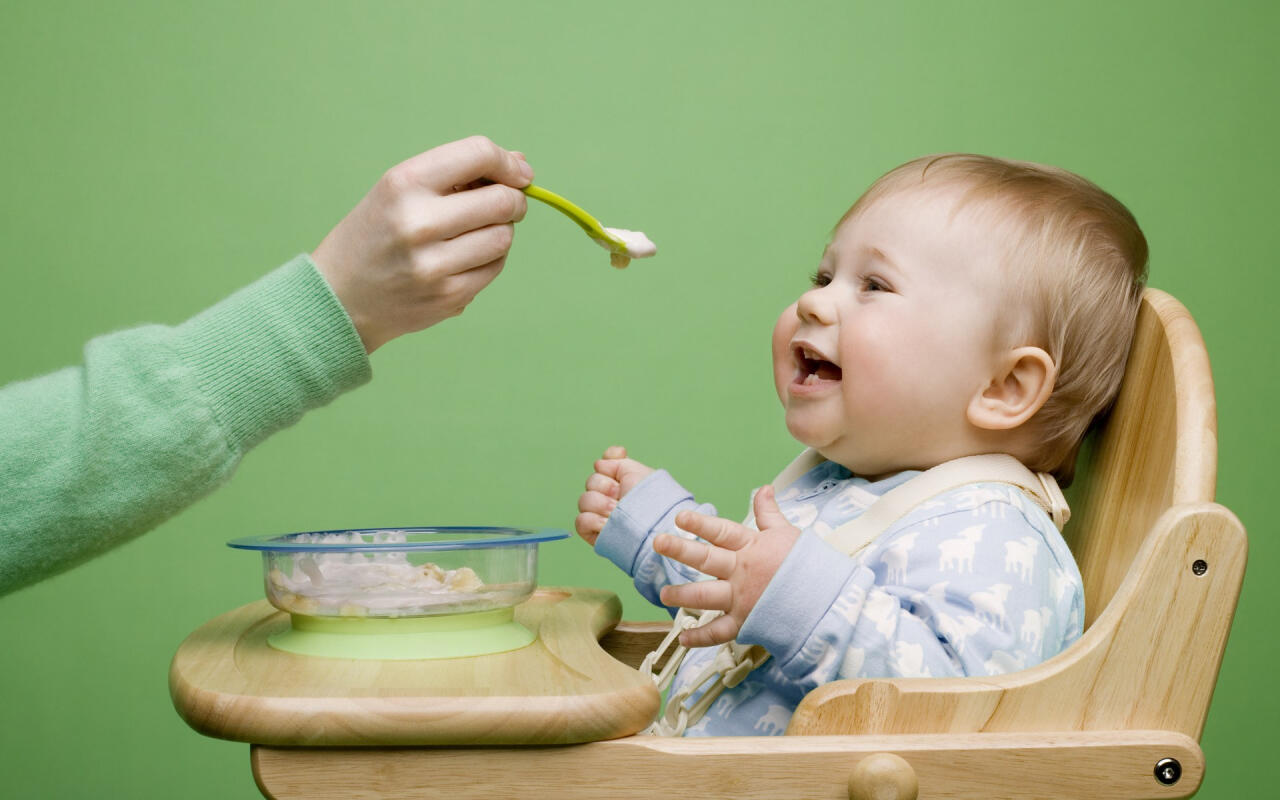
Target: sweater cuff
(635, 517)
(273, 350)
(799, 595)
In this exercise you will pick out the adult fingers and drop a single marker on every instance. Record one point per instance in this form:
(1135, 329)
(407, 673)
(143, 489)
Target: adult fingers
(604, 485)
(596, 503)
(448, 216)
(722, 532)
(717, 631)
(707, 559)
(461, 162)
(466, 187)
(768, 515)
(478, 182)
(709, 595)
(476, 250)
(462, 288)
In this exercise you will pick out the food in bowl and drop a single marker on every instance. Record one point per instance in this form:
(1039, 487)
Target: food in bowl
(399, 572)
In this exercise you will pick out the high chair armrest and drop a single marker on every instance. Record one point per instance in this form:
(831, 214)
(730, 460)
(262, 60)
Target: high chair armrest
(630, 642)
(1056, 766)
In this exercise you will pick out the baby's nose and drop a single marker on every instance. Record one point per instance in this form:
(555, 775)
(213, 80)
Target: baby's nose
(816, 306)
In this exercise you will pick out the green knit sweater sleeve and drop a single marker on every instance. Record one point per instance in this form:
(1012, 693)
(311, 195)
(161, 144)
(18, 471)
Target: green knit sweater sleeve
(157, 417)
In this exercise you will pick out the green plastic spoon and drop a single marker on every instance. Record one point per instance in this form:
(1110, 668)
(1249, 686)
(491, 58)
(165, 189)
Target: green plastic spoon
(621, 250)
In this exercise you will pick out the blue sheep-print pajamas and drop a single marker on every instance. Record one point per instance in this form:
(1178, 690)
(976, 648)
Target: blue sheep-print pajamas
(976, 581)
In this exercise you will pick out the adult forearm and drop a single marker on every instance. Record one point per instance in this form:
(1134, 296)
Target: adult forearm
(157, 417)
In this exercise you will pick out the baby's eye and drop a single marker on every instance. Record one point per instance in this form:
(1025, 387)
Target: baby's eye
(873, 285)
(820, 279)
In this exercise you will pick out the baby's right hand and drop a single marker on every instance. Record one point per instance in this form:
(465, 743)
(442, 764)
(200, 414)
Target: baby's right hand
(615, 475)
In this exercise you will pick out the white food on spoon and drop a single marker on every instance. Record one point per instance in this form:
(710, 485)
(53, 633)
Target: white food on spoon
(638, 246)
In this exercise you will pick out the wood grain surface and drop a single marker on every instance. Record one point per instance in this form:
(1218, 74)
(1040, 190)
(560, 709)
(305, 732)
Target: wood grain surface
(1066, 766)
(226, 681)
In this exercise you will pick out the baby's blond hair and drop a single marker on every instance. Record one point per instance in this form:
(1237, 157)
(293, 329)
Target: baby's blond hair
(1078, 263)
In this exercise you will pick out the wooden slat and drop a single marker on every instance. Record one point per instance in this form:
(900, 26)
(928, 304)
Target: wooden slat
(1052, 766)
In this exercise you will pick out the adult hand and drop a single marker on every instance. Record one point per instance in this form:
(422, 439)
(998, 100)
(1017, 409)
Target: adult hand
(743, 559)
(614, 476)
(431, 234)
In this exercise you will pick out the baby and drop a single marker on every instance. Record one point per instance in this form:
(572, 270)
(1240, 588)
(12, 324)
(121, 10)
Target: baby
(965, 305)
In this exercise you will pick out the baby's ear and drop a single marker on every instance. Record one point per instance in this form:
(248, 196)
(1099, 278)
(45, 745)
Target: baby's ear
(1022, 383)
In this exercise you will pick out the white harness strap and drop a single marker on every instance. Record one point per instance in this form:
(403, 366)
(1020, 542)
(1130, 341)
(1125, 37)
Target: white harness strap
(733, 662)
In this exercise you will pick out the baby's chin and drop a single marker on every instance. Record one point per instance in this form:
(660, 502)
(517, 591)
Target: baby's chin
(809, 433)
(840, 449)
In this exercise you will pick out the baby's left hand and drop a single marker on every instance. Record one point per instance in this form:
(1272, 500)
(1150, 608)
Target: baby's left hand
(744, 560)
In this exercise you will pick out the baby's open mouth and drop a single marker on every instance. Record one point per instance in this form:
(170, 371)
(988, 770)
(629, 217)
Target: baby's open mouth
(812, 368)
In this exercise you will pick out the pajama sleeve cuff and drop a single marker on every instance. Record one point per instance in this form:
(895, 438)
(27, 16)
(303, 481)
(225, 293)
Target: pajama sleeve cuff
(800, 594)
(633, 520)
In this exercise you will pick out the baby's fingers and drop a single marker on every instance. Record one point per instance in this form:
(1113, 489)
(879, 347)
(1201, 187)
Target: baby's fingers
(708, 595)
(705, 558)
(609, 467)
(588, 526)
(604, 485)
(716, 530)
(596, 503)
(717, 631)
(595, 508)
(765, 505)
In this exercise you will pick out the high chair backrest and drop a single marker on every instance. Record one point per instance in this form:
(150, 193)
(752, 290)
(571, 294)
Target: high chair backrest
(1157, 448)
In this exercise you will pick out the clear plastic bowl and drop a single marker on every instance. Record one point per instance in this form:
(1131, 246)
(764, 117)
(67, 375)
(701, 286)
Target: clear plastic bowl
(399, 572)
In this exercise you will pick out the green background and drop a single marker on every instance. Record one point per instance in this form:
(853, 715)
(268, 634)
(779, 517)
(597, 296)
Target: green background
(158, 155)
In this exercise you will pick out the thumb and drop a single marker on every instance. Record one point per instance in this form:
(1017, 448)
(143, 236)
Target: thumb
(768, 515)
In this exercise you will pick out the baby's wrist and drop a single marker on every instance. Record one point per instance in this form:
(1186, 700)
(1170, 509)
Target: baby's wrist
(802, 591)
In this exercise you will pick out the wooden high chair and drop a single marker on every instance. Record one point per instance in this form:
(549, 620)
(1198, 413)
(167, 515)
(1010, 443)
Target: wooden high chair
(1117, 715)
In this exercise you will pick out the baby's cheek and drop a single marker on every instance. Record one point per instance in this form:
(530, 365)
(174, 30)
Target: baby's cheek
(872, 377)
(867, 394)
(869, 354)
(783, 368)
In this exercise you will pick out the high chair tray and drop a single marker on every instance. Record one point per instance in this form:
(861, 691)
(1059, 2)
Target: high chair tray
(227, 682)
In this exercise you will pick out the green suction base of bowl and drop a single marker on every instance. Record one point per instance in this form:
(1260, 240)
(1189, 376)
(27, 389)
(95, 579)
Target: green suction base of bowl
(405, 638)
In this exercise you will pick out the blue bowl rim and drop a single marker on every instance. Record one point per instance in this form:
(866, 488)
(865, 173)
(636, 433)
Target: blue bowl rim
(485, 537)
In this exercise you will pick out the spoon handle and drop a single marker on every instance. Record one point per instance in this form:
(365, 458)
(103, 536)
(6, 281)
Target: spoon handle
(587, 222)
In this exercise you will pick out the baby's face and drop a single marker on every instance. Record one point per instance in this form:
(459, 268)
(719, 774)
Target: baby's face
(876, 364)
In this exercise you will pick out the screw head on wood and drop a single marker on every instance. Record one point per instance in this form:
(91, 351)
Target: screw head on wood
(1168, 771)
